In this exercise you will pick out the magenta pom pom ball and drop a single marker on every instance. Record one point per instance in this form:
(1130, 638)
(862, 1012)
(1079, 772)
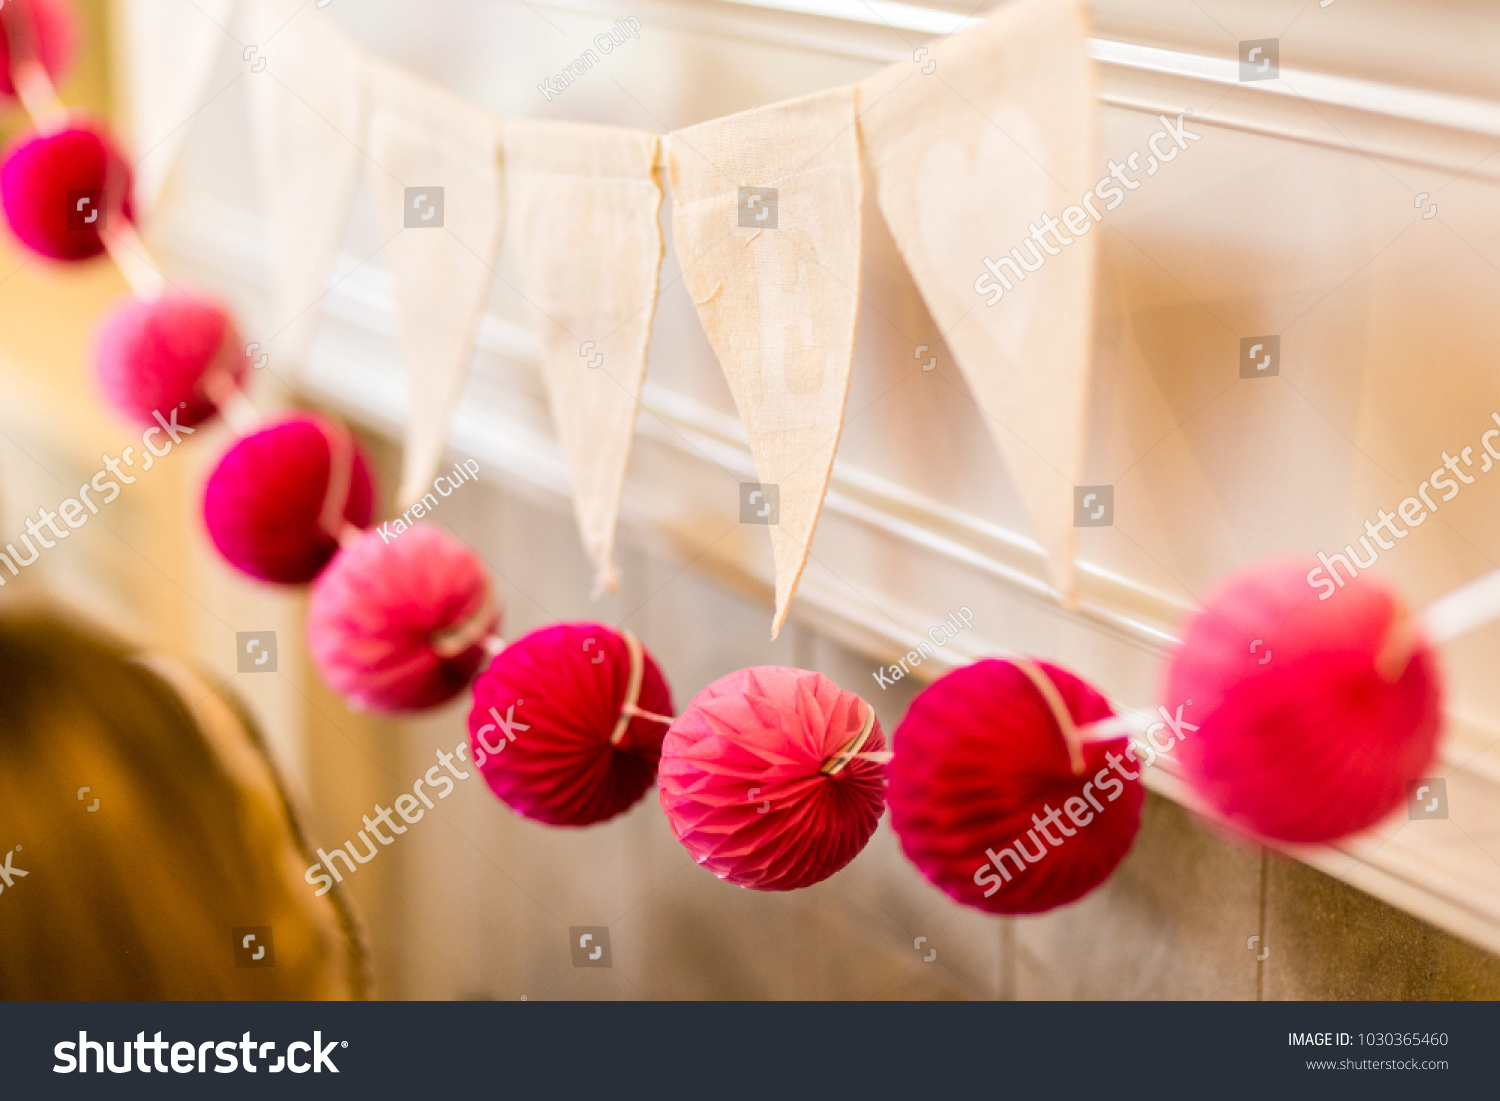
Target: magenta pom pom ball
(1312, 713)
(985, 798)
(550, 730)
(762, 779)
(401, 625)
(152, 356)
(51, 184)
(54, 37)
(267, 501)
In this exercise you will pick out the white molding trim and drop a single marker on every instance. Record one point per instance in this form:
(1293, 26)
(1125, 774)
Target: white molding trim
(1476, 116)
(1453, 133)
(1392, 101)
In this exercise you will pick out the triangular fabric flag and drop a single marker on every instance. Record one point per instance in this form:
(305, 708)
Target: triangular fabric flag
(990, 131)
(436, 178)
(766, 224)
(167, 49)
(583, 203)
(308, 111)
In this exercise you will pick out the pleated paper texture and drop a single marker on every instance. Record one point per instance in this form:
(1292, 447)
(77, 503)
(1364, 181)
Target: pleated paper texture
(308, 112)
(768, 733)
(583, 205)
(1002, 129)
(168, 49)
(436, 167)
(776, 283)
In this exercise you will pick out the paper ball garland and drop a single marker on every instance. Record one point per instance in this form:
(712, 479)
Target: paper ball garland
(773, 778)
(275, 504)
(1312, 714)
(46, 177)
(558, 729)
(53, 27)
(401, 625)
(154, 355)
(998, 802)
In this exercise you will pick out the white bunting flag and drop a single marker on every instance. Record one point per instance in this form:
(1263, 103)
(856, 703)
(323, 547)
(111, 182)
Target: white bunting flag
(435, 170)
(167, 50)
(308, 107)
(583, 203)
(767, 229)
(971, 145)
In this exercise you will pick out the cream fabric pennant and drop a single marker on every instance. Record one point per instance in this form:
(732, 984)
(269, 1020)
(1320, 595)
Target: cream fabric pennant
(308, 110)
(167, 50)
(992, 130)
(436, 178)
(766, 225)
(583, 203)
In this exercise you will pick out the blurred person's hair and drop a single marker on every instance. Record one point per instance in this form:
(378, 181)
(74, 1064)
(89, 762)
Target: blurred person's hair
(193, 835)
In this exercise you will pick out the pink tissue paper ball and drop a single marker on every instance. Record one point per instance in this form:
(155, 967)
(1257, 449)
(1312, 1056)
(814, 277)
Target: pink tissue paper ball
(150, 356)
(1301, 737)
(45, 177)
(401, 625)
(264, 500)
(980, 761)
(743, 783)
(54, 29)
(544, 713)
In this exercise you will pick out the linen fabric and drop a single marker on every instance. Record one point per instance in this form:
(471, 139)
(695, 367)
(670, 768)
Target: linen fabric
(1001, 131)
(776, 284)
(583, 204)
(425, 137)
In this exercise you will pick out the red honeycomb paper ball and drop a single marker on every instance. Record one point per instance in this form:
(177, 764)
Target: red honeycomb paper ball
(744, 785)
(401, 625)
(54, 31)
(979, 753)
(546, 711)
(265, 502)
(46, 176)
(151, 355)
(1312, 713)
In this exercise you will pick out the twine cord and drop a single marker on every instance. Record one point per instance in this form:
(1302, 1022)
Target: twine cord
(128, 251)
(33, 85)
(477, 628)
(642, 713)
(1060, 713)
(841, 759)
(1402, 636)
(340, 479)
(630, 709)
(219, 387)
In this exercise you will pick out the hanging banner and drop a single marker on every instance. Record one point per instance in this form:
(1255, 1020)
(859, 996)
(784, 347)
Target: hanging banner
(970, 145)
(167, 51)
(583, 203)
(435, 174)
(766, 225)
(308, 109)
